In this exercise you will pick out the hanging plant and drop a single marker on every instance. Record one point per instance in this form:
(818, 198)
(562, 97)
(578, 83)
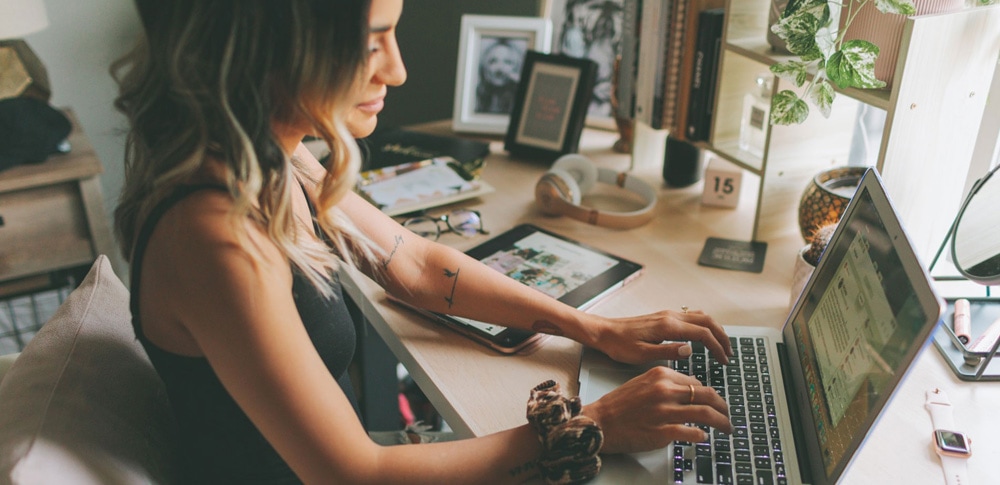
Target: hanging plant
(810, 32)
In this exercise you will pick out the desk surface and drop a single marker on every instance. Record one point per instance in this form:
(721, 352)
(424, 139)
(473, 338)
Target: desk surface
(478, 391)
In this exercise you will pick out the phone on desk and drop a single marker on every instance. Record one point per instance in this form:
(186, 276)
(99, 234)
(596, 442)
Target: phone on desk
(572, 272)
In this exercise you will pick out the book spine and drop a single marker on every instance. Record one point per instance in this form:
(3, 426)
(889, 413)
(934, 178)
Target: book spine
(625, 90)
(649, 52)
(662, 44)
(675, 54)
(699, 119)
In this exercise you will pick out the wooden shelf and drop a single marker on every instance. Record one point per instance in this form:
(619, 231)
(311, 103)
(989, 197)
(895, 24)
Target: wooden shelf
(933, 114)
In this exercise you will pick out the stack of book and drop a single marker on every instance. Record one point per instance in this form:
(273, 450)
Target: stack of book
(670, 58)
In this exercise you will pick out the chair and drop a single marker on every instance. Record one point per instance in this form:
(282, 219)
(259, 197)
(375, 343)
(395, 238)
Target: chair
(82, 403)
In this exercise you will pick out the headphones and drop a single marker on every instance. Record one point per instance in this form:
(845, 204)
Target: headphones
(560, 189)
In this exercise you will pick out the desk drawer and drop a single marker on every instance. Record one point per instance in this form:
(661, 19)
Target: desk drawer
(43, 229)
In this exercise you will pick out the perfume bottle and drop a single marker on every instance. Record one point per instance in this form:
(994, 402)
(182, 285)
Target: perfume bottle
(756, 116)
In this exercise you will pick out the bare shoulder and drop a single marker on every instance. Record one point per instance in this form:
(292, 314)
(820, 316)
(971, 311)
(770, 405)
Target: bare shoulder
(201, 267)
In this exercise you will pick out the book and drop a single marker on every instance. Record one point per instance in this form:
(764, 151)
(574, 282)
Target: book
(672, 67)
(706, 63)
(423, 184)
(395, 146)
(651, 58)
(690, 38)
(625, 82)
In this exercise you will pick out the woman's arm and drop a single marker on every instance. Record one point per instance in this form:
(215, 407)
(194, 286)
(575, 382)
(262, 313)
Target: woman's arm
(439, 278)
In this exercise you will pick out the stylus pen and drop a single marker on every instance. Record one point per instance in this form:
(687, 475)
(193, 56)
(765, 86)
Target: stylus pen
(962, 319)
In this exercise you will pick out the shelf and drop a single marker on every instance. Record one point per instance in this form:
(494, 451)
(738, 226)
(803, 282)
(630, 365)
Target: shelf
(933, 110)
(758, 50)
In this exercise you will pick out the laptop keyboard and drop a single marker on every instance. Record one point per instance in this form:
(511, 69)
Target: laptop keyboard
(753, 454)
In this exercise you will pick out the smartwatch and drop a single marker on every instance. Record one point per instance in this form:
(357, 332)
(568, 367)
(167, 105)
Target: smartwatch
(953, 447)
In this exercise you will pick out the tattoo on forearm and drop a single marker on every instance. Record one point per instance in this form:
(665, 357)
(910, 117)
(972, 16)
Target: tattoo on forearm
(386, 261)
(521, 469)
(451, 274)
(545, 326)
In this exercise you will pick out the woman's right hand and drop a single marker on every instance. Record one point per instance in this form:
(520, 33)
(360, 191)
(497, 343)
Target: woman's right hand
(651, 410)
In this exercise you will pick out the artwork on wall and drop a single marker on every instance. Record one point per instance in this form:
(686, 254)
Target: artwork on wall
(590, 29)
(491, 54)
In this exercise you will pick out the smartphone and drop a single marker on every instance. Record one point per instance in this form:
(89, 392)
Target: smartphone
(572, 272)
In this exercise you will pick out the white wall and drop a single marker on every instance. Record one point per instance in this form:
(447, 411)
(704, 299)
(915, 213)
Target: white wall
(83, 38)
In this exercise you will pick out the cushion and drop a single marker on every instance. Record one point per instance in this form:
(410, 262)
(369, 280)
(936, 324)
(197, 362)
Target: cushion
(82, 404)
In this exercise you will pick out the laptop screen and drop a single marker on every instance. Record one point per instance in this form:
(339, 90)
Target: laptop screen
(858, 326)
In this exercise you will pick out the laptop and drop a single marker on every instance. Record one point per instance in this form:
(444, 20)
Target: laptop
(804, 397)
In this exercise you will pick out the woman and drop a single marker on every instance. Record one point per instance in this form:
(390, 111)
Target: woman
(233, 230)
(499, 71)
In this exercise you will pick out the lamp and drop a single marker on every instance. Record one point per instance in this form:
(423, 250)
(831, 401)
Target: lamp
(21, 72)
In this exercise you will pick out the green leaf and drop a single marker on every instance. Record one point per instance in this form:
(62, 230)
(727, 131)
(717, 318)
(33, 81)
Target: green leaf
(788, 109)
(901, 7)
(822, 95)
(791, 71)
(799, 33)
(854, 65)
(820, 8)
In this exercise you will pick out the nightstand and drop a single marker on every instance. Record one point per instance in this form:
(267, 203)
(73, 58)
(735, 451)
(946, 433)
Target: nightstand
(52, 218)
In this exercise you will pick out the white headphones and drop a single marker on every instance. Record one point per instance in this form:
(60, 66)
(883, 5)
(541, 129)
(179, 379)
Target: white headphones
(559, 191)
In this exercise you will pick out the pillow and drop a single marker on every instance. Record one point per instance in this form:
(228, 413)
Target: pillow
(82, 403)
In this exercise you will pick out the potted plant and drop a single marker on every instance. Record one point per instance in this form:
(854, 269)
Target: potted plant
(812, 32)
(807, 258)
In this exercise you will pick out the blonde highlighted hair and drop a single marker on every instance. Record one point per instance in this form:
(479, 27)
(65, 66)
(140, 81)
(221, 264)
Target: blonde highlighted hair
(206, 81)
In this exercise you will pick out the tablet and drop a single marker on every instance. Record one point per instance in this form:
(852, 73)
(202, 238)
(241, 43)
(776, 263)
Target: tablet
(574, 273)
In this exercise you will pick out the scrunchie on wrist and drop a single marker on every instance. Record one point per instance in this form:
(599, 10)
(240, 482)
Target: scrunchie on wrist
(571, 441)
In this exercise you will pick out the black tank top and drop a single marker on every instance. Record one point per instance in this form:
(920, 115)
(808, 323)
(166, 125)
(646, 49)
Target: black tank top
(218, 442)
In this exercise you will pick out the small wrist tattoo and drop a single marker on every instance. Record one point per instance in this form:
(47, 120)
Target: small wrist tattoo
(399, 242)
(521, 469)
(451, 274)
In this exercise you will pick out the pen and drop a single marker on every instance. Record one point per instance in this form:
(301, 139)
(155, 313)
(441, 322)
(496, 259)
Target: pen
(386, 173)
(961, 320)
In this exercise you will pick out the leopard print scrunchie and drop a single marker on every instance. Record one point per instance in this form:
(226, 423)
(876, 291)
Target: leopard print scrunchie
(571, 440)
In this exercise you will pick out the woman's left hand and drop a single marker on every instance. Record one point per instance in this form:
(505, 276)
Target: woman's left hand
(639, 339)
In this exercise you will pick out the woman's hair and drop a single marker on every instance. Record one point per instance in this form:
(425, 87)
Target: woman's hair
(206, 81)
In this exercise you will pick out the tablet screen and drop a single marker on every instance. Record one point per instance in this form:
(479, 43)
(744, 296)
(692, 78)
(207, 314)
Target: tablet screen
(572, 272)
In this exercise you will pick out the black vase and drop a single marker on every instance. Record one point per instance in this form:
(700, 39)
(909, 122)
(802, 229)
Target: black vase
(681, 163)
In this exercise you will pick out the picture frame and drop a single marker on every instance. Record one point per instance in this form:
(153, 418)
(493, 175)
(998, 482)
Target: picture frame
(551, 106)
(592, 29)
(490, 56)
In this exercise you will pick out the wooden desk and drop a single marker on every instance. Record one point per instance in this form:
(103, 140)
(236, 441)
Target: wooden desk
(478, 391)
(53, 217)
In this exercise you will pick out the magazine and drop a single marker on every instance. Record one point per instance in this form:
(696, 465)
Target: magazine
(413, 186)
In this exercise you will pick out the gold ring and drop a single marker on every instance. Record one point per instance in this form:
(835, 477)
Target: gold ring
(684, 309)
(691, 398)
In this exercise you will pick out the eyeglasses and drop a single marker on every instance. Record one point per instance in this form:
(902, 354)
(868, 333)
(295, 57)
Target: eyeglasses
(464, 222)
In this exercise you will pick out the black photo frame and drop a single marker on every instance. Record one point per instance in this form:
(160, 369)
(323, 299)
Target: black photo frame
(550, 106)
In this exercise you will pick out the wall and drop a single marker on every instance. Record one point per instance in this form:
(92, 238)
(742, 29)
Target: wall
(83, 38)
(428, 40)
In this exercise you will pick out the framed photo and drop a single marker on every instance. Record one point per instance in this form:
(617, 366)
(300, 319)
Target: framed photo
(490, 57)
(590, 29)
(551, 106)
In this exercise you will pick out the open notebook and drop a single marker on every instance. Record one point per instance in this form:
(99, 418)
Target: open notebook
(804, 397)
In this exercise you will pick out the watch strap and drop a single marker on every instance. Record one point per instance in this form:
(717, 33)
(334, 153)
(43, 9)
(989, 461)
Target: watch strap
(940, 410)
(956, 470)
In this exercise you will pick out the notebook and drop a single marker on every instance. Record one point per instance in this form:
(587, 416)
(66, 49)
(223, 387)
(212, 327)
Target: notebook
(803, 398)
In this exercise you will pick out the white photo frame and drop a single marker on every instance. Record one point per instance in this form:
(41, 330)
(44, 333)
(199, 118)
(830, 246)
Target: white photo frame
(484, 98)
